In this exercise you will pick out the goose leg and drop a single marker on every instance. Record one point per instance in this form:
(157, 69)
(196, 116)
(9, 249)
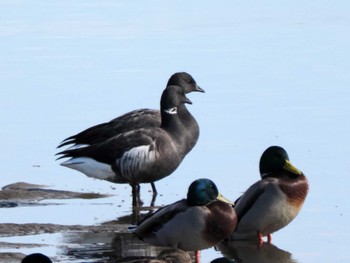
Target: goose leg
(155, 193)
(154, 190)
(154, 197)
(136, 200)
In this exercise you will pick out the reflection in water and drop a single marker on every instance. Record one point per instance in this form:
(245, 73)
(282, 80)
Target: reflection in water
(115, 247)
(107, 247)
(137, 215)
(173, 255)
(251, 252)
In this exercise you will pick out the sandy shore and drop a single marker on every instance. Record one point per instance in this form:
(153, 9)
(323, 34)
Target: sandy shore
(118, 242)
(26, 194)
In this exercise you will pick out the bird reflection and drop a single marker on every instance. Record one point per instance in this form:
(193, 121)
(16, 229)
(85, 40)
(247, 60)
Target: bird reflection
(118, 247)
(111, 242)
(172, 255)
(137, 214)
(251, 252)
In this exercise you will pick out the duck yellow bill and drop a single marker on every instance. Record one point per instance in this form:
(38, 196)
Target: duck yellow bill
(224, 199)
(291, 168)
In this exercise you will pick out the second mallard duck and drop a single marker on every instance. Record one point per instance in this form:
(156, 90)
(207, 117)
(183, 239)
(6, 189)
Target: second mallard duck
(273, 202)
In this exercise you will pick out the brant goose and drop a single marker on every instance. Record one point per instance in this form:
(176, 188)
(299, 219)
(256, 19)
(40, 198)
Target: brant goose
(141, 155)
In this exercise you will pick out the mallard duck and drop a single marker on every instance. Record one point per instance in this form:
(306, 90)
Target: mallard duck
(142, 118)
(139, 156)
(201, 221)
(273, 202)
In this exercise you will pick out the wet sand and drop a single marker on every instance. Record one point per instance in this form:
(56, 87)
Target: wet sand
(22, 193)
(9, 230)
(109, 242)
(123, 247)
(26, 194)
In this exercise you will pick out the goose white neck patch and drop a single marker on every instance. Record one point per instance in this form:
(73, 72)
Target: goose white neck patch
(171, 110)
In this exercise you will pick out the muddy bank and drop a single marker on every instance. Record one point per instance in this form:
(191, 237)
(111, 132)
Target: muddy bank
(107, 242)
(26, 194)
(21, 194)
(8, 229)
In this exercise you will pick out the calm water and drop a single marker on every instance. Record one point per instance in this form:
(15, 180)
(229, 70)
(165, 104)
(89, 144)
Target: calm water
(274, 74)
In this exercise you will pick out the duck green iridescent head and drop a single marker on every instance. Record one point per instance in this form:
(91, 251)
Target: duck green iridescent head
(274, 160)
(203, 191)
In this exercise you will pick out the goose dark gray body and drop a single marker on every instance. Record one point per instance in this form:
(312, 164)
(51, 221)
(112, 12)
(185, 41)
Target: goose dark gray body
(142, 155)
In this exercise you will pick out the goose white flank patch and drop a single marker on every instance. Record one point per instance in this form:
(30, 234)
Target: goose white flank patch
(90, 167)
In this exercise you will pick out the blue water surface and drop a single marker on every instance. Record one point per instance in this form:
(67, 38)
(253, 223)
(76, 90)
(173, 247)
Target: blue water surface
(275, 73)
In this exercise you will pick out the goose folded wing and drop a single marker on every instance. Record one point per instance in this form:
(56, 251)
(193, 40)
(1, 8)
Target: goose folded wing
(113, 148)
